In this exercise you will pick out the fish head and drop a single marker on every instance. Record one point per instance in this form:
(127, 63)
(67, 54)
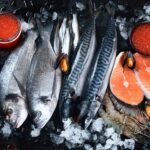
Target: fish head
(42, 111)
(15, 110)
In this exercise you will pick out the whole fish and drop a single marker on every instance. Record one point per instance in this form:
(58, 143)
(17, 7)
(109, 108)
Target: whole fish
(44, 81)
(83, 54)
(99, 80)
(13, 79)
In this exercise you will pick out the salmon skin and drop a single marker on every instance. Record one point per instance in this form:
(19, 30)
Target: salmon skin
(99, 80)
(13, 78)
(76, 68)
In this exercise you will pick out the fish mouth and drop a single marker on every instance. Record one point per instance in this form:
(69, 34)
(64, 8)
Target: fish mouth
(16, 122)
(20, 121)
(40, 123)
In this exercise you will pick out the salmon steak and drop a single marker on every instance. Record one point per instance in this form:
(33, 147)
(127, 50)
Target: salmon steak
(142, 73)
(123, 83)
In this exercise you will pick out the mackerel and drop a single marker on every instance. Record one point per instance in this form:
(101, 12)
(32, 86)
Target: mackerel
(83, 54)
(99, 80)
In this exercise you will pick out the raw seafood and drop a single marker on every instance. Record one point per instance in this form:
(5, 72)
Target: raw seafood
(123, 83)
(142, 73)
(44, 81)
(13, 78)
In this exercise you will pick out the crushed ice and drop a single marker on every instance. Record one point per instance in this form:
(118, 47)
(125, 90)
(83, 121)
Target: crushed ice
(106, 138)
(26, 26)
(98, 125)
(35, 132)
(124, 26)
(6, 129)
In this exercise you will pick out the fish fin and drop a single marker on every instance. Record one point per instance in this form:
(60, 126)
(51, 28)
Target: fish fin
(44, 28)
(21, 87)
(92, 6)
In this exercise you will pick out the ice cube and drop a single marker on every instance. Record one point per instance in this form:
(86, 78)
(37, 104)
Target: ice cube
(6, 129)
(35, 132)
(129, 143)
(116, 138)
(109, 132)
(56, 138)
(98, 125)
(80, 6)
(109, 144)
(99, 147)
(88, 147)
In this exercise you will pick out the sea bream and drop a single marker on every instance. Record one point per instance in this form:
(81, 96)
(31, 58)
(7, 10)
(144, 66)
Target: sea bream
(100, 77)
(44, 81)
(13, 79)
(84, 51)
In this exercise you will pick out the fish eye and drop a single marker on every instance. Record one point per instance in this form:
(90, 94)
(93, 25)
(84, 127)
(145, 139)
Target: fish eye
(45, 99)
(9, 111)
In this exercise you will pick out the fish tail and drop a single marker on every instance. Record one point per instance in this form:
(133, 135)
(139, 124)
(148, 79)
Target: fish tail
(67, 109)
(44, 29)
(110, 8)
(92, 6)
(84, 106)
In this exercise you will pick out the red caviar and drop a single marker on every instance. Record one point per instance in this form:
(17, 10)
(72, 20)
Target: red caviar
(140, 38)
(10, 30)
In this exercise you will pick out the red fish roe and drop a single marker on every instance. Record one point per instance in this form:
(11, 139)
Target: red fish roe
(140, 38)
(10, 30)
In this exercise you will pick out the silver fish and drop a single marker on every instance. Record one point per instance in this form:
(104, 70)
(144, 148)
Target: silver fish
(78, 64)
(66, 42)
(56, 40)
(99, 81)
(62, 30)
(14, 74)
(75, 29)
(44, 81)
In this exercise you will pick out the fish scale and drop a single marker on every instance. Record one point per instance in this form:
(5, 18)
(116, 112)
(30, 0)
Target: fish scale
(104, 58)
(77, 67)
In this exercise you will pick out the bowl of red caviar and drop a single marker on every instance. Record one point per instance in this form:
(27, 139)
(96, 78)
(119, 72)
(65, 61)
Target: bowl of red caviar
(10, 30)
(140, 38)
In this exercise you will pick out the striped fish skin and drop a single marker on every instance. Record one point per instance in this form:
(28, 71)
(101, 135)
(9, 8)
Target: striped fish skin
(106, 54)
(12, 97)
(76, 69)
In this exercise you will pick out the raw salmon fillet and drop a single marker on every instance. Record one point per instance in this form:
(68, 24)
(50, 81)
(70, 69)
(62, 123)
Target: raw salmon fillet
(142, 73)
(123, 83)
